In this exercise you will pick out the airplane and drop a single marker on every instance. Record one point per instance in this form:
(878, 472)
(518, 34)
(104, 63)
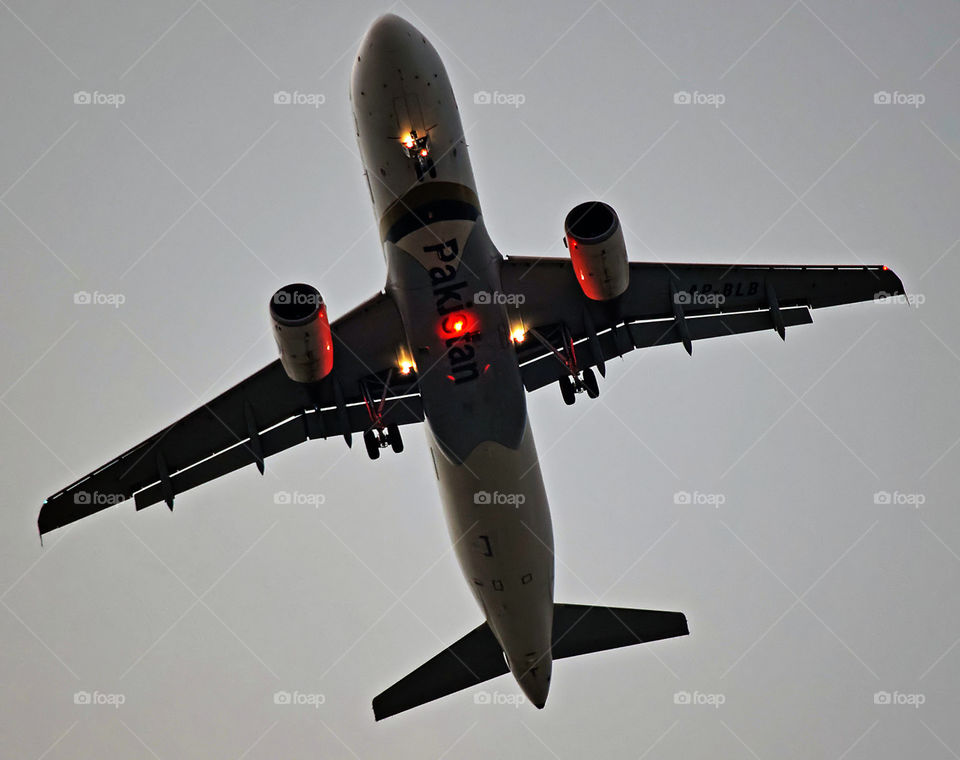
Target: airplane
(456, 339)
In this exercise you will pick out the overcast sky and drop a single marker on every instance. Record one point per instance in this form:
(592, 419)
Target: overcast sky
(185, 192)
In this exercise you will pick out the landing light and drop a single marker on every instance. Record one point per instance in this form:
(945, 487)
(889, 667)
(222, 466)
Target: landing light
(409, 141)
(518, 334)
(405, 363)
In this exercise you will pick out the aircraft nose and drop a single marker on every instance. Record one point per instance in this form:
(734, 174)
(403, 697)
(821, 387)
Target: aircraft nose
(390, 32)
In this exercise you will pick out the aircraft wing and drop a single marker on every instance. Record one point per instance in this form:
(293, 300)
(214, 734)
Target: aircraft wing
(258, 417)
(669, 303)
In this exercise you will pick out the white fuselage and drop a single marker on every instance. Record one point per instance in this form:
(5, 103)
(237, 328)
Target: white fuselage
(438, 258)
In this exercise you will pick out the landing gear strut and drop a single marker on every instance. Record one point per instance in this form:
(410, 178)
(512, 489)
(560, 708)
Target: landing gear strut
(380, 434)
(576, 380)
(418, 148)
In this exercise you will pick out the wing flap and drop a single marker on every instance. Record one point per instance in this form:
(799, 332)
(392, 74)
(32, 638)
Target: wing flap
(618, 341)
(402, 411)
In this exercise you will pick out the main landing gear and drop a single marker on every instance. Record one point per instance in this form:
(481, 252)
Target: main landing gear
(576, 380)
(379, 438)
(572, 384)
(380, 434)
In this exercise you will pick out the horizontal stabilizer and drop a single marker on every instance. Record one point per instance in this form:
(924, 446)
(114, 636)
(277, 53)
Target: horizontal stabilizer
(477, 657)
(581, 628)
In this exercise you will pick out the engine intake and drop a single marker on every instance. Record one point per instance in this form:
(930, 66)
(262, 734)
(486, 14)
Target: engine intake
(599, 255)
(302, 332)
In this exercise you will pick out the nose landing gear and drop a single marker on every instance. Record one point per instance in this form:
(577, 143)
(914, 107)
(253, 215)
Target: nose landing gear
(417, 148)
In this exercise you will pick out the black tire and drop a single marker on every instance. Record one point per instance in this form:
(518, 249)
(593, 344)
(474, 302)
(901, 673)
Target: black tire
(393, 435)
(590, 383)
(372, 444)
(568, 390)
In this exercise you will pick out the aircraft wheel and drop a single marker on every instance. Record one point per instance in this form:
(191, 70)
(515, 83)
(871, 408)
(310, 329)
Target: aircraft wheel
(393, 435)
(372, 444)
(568, 390)
(590, 383)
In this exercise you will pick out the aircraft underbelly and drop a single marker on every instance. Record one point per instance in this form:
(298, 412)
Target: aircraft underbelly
(442, 268)
(499, 522)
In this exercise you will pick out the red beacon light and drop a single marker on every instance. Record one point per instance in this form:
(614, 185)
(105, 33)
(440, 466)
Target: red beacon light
(456, 324)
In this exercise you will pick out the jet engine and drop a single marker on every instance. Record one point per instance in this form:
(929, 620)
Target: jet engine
(302, 332)
(595, 241)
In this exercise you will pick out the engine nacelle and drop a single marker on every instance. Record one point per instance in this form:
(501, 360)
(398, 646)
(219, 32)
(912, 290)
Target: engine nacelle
(599, 255)
(302, 332)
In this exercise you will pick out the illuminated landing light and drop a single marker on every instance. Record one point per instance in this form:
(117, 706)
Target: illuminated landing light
(518, 334)
(409, 141)
(423, 152)
(405, 363)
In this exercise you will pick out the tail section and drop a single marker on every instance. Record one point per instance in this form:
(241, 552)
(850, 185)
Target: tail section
(477, 657)
(583, 628)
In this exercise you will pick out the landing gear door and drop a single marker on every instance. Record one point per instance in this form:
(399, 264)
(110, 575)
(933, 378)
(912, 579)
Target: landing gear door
(409, 115)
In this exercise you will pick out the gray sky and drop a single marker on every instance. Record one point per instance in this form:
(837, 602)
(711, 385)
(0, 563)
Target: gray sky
(198, 196)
